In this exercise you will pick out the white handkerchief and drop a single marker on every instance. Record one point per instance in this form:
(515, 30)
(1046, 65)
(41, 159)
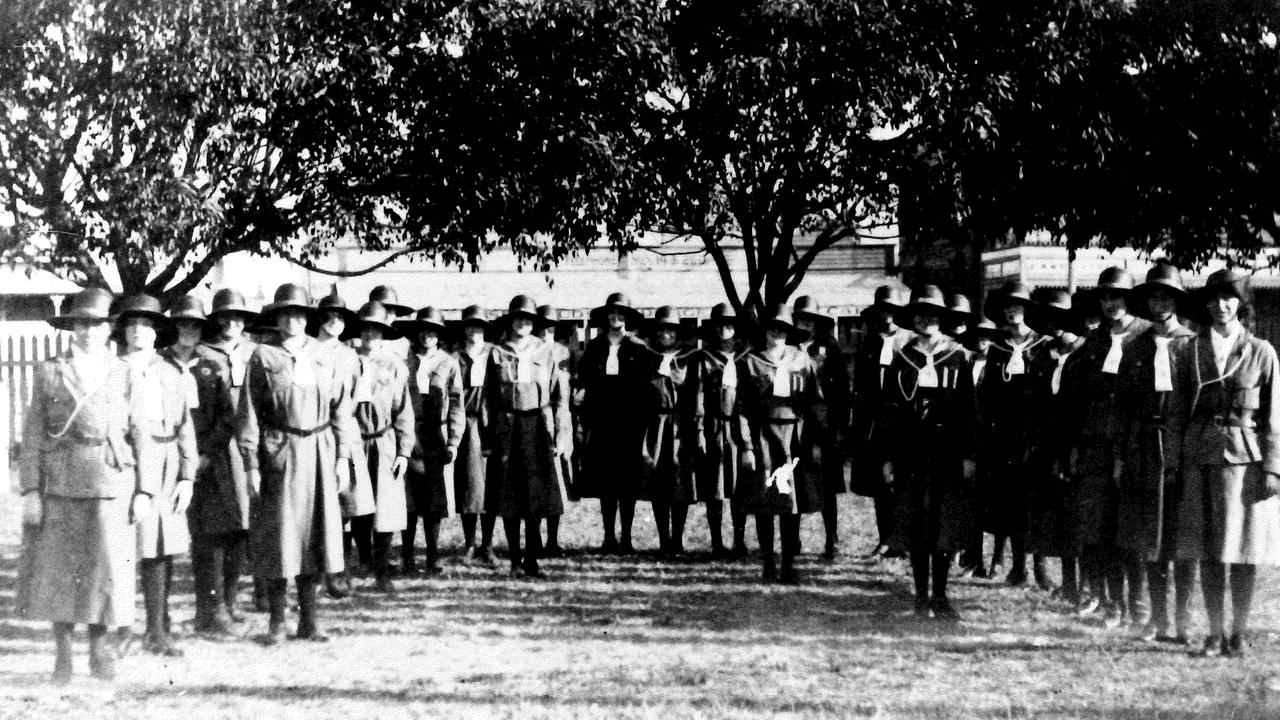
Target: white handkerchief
(476, 376)
(1163, 372)
(664, 367)
(1055, 383)
(237, 371)
(781, 477)
(928, 376)
(192, 390)
(524, 369)
(304, 372)
(730, 377)
(886, 350)
(978, 366)
(423, 377)
(611, 362)
(1111, 365)
(781, 381)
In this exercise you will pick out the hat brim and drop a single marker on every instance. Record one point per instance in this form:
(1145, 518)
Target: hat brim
(413, 328)
(994, 310)
(397, 309)
(249, 315)
(682, 331)
(818, 318)
(598, 315)
(794, 334)
(880, 306)
(906, 316)
(68, 322)
(354, 330)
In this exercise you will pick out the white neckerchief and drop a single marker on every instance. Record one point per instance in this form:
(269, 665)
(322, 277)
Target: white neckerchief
(729, 378)
(1111, 364)
(1060, 362)
(146, 385)
(886, 349)
(781, 376)
(1017, 364)
(189, 379)
(524, 361)
(1222, 346)
(664, 367)
(927, 377)
(304, 373)
(1161, 365)
(978, 364)
(611, 362)
(91, 369)
(476, 374)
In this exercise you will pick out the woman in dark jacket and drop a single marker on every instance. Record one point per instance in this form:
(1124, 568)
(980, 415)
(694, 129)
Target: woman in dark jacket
(715, 417)
(931, 410)
(612, 377)
(670, 434)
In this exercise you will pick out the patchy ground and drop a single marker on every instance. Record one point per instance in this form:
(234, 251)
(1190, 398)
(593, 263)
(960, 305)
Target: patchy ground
(642, 638)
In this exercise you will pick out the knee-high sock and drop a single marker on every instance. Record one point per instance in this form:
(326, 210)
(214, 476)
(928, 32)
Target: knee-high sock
(431, 529)
(532, 542)
(662, 518)
(511, 525)
(362, 533)
(232, 567)
(1135, 572)
(739, 528)
(152, 571)
(920, 572)
(408, 537)
(608, 517)
(679, 515)
(941, 566)
(1070, 575)
(627, 513)
(1184, 582)
(203, 569)
(1018, 553)
(715, 523)
(307, 611)
(831, 518)
(1213, 583)
(789, 526)
(997, 550)
(764, 535)
(1158, 586)
(885, 502)
(275, 590)
(553, 531)
(1243, 579)
(469, 529)
(487, 521)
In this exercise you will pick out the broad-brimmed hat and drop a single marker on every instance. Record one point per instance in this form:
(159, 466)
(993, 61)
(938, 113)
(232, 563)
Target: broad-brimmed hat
(781, 317)
(190, 307)
(617, 302)
(960, 310)
(1162, 276)
(926, 298)
(1228, 280)
(983, 328)
(1055, 306)
(428, 318)
(386, 295)
(667, 317)
(373, 315)
(1012, 292)
(333, 302)
(472, 315)
(229, 301)
(548, 317)
(288, 295)
(142, 305)
(1115, 279)
(807, 307)
(87, 306)
(521, 306)
(887, 297)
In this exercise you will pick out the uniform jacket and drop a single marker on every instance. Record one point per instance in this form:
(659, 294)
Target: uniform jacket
(869, 446)
(715, 420)
(75, 438)
(832, 417)
(164, 443)
(611, 440)
(469, 467)
(304, 418)
(1233, 417)
(670, 433)
(230, 362)
(358, 500)
(220, 501)
(385, 416)
(775, 430)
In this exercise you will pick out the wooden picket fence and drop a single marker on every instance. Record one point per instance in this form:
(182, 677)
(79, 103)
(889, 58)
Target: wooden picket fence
(22, 346)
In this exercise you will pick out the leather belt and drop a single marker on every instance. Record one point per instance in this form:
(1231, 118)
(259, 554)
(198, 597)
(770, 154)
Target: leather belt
(163, 439)
(783, 421)
(86, 441)
(527, 413)
(299, 432)
(375, 434)
(1228, 421)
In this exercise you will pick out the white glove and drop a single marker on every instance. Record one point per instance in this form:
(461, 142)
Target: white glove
(140, 508)
(182, 497)
(32, 509)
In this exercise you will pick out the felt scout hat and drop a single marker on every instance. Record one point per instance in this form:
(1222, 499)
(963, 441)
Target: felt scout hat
(1228, 280)
(90, 305)
(926, 298)
(333, 302)
(548, 317)
(288, 295)
(1012, 292)
(1055, 306)
(807, 307)
(428, 318)
(142, 305)
(190, 307)
(229, 301)
(781, 317)
(1162, 276)
(386, 295)
(473, 315)
(521, 306)
(1115, 279)
(983, 328)
(887, 297)
(960, 310)
(616, 303)
(667, 317)
(374, 314)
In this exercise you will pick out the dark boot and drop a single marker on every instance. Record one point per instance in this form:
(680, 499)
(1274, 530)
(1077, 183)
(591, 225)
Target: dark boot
(484, 551)
(552, 548)
(627, 516)
(789, 526)
(62, 634)
(715, 523)
(511, 526)
(155, 600)
(432, 531)
(662, 519)
(739, 535)
(532, 550)
(468, 533)
(382, 564)
(261, 595)
(408, 565)
(830, 522)
(679, 516)
(275, 590)
(764, 535)
(308, 625)
(232, 567)
(102, 657)
(207, 558)
(608, 517)
(940, 604)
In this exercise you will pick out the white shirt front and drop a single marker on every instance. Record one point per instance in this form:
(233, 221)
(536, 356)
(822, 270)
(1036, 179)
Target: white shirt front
(1222, 347)
(1161, 364)
(1111, 364)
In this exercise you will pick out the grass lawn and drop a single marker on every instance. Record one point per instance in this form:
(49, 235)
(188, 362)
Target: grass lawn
(641, 638)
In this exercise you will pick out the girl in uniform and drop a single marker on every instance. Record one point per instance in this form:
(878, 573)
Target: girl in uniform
(669, 432)
(475, 499)
(715, 417)
(779, 462)
(931, 415)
